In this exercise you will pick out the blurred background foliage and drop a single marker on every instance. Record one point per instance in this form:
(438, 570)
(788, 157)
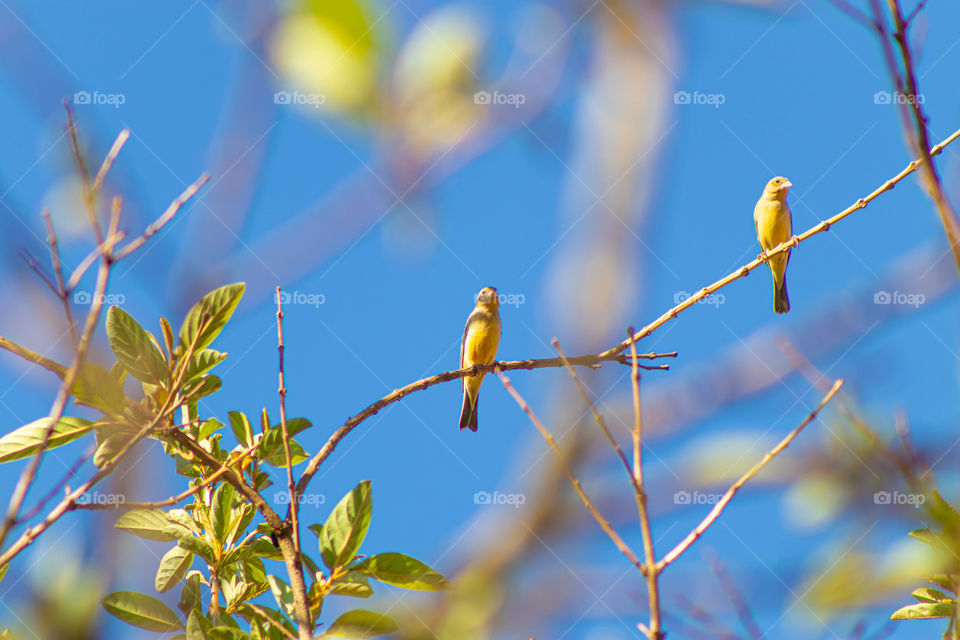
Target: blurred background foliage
(354, 155)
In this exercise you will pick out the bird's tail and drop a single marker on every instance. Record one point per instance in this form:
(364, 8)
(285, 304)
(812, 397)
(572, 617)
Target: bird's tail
(781, 303)
(468, 414)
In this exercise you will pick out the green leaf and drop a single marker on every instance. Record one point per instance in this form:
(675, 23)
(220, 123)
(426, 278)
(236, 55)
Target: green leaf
(149, 524)
(944, 512)
(113, 444)
(198, 546)
(926, 594)
(278, 457)
(142, 611)
(925, 611)
(26, 440)
(271, 446)
(360, 623)
(195, 627)
(942, 580)
(96, 387)
(353, 584)
(265, 549)
(346, 527)
(283, 594)
(228, 633)
(236, 555)
(206, 319)
(3, 571)
(136, 349)
(402, 571)
(240, 425)
(200, 387)
(208, 428)
(926, 536)
(173, 566)
(221, 511)
(190, 595)
(202, 362)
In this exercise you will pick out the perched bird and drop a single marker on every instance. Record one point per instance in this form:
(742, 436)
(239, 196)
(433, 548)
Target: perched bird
(774, 227)
(481, 337)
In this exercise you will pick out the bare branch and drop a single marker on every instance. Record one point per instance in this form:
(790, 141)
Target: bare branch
(613, 535)
(694, 535)
(786, 246)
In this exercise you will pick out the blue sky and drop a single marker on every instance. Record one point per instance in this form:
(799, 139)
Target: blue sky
(798, 84)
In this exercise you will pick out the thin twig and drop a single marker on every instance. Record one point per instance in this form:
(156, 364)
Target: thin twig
(740, 604)
(596, 414)
(108, 161)
(38, 269)
(909, 104)
(66, 388)
(694, 535)
(90, 258)
(89, 196)
(164, 218)
(62, 292)
(781, 248)
(298, 586)
(229, 464)
(613, 535)
(654, 631)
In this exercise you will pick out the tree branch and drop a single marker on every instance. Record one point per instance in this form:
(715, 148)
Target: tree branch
(718, 508)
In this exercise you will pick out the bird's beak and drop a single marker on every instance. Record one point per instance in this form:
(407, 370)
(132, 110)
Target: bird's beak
(786, 184)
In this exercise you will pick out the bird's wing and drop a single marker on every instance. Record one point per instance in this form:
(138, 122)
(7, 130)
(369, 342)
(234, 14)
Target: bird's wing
(463, 340)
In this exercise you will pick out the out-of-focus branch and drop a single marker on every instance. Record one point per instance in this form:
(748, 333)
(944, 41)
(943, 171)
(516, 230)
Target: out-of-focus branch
(914, 119)
(66, 388)
(607, 529)
(786, 246)
(698, 531)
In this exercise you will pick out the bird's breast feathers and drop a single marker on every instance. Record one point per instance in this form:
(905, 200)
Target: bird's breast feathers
(773, 222)
(481, 337)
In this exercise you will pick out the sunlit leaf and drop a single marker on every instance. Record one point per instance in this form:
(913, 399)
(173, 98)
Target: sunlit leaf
(346, 527)
(26, 440)
(925, 611)
(141, 610)
(360, 623)
(206, 318)
(173, 566)
(402, 571)
(136, 349)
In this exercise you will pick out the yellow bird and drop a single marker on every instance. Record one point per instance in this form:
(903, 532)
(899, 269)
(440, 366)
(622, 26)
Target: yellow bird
(774, 227)
(481, 337)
